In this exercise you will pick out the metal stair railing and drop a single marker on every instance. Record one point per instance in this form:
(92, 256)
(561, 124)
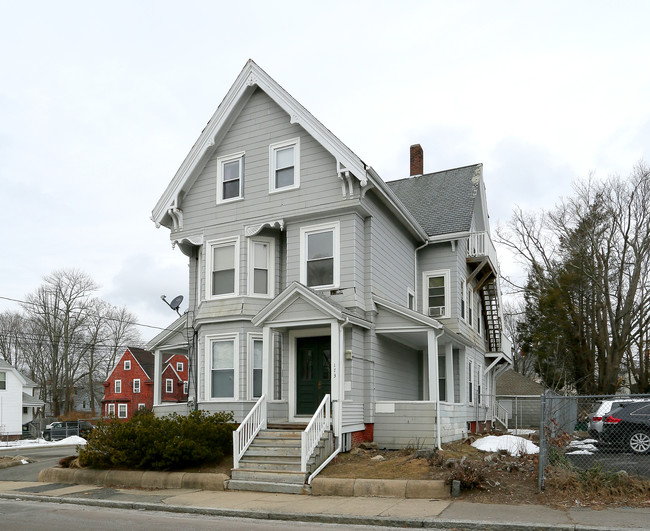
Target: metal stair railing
(243, 436)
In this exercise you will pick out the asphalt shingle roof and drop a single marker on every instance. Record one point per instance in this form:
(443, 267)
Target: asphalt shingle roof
(511, 383)
(145, 359)
(441, 202)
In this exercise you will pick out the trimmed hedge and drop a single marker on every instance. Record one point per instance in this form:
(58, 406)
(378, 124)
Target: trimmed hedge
(147, 442)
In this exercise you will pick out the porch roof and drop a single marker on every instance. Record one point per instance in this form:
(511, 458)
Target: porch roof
(171, 337)
(273, 311)
(402, 324)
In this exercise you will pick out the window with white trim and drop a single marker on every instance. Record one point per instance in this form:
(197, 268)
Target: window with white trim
(127, 365)
(436, 293)
(261, 270)
(479, 312)
(179, 366)
(169, 385)
(320, 256)
(284, 165)
(122, 411)
(110, 410)
(470, 305)
(479, 383)
(222, 355)
(142, 406)
(463, 290)
(118, 386)
(136, 385)
(442, 378)
(185, 387)
(230, 178)
(223, 269)
(470, 382)
(256, 367)
(3, 381)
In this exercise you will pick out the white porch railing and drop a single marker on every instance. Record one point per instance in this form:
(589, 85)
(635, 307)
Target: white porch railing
(243, 436)
(479, 244)
(314, 431)
(500, 413)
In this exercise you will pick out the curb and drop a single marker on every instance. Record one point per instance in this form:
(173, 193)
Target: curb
(385, 488)
(388, 521)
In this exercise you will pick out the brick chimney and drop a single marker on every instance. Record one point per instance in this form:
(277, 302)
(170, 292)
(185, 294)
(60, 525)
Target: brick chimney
(417, 160)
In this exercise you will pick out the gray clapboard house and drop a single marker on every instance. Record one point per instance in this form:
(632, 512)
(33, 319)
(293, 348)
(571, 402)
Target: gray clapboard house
(321, 295)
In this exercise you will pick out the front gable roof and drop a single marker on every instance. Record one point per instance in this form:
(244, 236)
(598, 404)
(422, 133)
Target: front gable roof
(168, 210)
(297, 293)
(395, 317)
(142, 357)
(443, 202)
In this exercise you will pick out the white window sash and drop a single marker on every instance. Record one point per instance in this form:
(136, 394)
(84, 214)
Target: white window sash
(209, 267)
(234, 339)
(273, 165)
(305, 232)
(221, 162)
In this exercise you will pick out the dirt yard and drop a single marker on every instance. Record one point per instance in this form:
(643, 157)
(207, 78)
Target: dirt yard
(491, 477)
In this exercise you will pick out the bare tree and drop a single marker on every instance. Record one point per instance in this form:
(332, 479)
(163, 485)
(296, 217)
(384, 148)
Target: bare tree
(588, 291)
(11, 332)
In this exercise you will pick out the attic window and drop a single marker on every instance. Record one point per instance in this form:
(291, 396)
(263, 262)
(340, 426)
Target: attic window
(230, 178)
(284, 165)
(127, 365)
(3, 381)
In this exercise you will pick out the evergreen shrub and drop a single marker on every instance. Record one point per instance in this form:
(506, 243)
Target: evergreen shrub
(147, 442)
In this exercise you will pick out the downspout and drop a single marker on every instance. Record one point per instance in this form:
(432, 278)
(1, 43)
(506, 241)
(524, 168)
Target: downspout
(438, 437)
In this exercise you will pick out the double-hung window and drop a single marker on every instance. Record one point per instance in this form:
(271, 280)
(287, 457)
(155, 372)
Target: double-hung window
(436, 293)
(230, 178)
(169, 385)
(222, 355)
(223, 267)
(185, 387)
(442, 378)
(179, 366)
(284, 165)
(121, 411)
(320, 256)
(3, 381)
(118, 387)
(127, 365)
(261, 270)
(470, 304)
(110, 410)
(256, 346)
(136, 385)
(470, 382)
(462, 299)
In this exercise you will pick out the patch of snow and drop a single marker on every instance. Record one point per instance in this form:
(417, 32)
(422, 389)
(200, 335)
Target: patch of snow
(522, 432)
(513, 445)
(24, 461)
(580, 452)
(75, 439)
(583, 445)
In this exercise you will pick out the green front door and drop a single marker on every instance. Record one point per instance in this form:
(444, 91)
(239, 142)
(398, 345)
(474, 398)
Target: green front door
(313, 381)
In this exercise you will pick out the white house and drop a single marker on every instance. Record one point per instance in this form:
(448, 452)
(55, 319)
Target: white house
(17, 401)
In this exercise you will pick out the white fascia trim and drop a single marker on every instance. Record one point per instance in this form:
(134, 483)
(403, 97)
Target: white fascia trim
(449, 237)
(296, 165)
(413, 315)
(288, 296)
(208, 367)
(250, 77)
(163, 336)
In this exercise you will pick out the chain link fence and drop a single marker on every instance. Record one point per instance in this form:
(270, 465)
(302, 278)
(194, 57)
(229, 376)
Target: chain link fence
(598, 432)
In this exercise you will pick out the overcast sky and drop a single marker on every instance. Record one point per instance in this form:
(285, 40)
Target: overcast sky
(101, 102)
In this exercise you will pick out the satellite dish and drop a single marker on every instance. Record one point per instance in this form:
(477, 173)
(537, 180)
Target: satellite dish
(176, 303)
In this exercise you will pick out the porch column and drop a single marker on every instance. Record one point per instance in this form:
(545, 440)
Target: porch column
(432, 359)
(267, 363)
(337, 376)
(157, 376)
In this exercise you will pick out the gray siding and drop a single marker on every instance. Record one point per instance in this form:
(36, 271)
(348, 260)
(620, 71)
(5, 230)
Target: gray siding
(397, 371)
(411, 425)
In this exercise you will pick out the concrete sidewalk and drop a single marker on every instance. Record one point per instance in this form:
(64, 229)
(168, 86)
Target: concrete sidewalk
(427, 513)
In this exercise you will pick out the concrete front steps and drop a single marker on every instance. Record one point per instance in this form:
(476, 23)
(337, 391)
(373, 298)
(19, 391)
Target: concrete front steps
(272, 462)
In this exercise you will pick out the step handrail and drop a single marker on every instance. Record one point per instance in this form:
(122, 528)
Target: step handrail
(243, 436)
(314, 431)
(500, 413)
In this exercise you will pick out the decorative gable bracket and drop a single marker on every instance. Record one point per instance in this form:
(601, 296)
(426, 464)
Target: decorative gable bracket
(253, 230)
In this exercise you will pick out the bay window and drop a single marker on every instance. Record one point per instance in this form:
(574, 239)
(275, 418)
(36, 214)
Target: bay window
(222, 374)
(223, 268)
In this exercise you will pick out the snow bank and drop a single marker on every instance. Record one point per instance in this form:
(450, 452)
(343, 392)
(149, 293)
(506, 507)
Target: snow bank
(71, 440)
(512, 444)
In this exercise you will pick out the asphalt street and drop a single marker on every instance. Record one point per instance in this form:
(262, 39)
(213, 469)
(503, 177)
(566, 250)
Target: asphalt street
(43, 457)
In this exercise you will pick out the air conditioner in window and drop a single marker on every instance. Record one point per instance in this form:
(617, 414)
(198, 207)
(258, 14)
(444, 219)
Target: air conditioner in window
(436, 311)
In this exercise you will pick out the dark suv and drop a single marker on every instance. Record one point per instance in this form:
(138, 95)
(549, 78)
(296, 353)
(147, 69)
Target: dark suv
(61, 430)
(628, 427)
